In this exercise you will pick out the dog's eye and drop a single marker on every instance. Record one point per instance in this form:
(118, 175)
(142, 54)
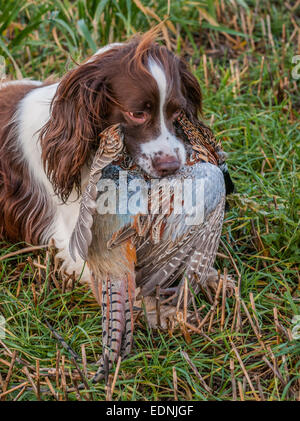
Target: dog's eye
(138, 116)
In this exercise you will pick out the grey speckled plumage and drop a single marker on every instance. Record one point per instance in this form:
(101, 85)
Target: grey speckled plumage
(185, 249)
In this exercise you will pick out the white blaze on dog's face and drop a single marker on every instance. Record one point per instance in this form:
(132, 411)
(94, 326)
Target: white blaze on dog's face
(146, 95)
(164, 154)
(150, 102)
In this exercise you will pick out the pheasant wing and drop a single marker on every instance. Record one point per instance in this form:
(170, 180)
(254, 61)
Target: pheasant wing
(194, 253)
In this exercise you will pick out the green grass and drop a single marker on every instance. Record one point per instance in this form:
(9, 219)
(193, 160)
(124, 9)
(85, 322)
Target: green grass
(257, 120)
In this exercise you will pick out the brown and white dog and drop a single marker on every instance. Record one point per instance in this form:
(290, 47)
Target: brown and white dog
(49, 132)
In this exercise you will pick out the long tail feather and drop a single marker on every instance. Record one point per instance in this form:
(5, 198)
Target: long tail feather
(117, 325)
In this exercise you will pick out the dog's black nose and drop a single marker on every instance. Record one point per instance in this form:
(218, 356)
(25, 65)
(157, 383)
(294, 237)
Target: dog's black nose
(166, 165)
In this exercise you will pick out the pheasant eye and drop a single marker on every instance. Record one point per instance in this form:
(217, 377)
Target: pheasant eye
(137, 116)
(176, 113)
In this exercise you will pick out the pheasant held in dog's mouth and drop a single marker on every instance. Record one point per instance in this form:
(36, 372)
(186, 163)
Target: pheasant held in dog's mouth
(128, 251)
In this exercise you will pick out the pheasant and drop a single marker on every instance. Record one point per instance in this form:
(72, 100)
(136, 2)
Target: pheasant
(125, 252)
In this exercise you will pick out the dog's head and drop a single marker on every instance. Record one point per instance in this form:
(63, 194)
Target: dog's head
(141, 85)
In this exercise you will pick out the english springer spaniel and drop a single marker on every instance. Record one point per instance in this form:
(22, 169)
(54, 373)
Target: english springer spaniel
(49, 133)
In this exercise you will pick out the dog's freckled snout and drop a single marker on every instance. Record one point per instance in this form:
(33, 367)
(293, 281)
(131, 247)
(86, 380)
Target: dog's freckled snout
(166, 165)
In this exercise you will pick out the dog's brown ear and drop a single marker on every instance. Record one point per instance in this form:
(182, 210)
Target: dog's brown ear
(78, 114)
(191, 91)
